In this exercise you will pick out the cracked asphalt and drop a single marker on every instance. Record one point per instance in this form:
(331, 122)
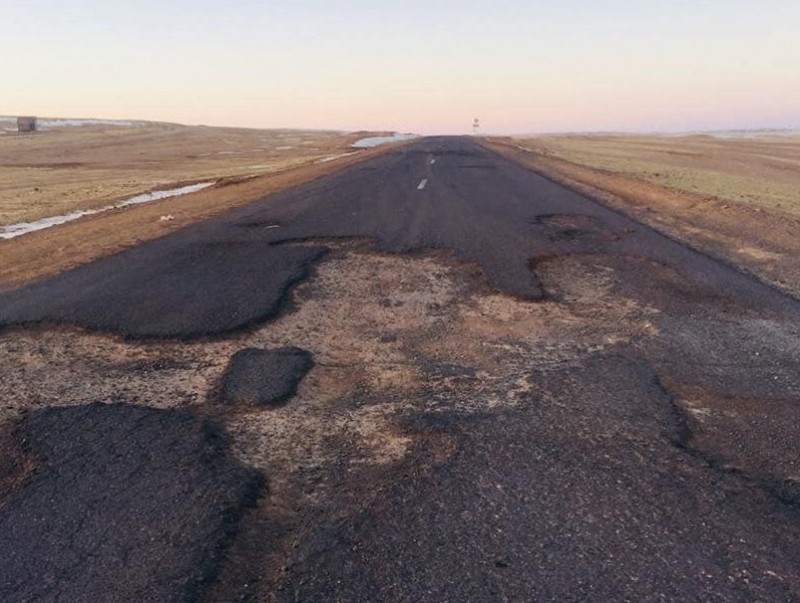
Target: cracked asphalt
(516, 394)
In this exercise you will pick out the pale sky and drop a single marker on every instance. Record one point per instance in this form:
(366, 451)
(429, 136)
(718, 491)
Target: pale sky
(418, 66)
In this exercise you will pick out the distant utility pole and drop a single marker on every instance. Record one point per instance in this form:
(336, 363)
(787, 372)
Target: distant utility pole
(476, 124)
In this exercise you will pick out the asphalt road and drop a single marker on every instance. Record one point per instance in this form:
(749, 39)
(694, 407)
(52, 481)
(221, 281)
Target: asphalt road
(81, 531)
(233, 272)
(592, 490)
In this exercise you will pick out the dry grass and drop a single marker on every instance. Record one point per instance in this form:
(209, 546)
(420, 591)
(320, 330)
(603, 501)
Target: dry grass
(760, 170)
(56, 171)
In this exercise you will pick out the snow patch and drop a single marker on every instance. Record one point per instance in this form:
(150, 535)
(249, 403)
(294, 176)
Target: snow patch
(155, 195)
(332, 157)
(730, 134)
(46, 123)
(15, 230)
(374, 141)
(7, 124)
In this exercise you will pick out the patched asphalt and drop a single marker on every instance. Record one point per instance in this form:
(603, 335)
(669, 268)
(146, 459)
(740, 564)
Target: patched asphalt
(581, 494)
(256, 377)
(126, 503)
(173, 287)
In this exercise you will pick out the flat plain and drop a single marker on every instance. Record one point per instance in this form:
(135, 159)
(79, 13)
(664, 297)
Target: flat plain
(762, 169)
(71, 168)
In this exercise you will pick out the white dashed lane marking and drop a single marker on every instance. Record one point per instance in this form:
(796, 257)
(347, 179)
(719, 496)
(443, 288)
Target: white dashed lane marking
(422, 184)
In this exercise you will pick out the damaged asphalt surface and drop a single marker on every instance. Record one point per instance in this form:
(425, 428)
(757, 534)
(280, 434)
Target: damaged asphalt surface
(650, 469)
(80, 531)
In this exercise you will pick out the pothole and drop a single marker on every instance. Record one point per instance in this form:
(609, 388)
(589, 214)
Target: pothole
(370, 320)
(575, 228)
(393, 337)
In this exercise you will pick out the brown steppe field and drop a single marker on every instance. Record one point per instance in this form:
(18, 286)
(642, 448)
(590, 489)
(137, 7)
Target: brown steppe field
(57, 171)
(82, 167)
(735, 196)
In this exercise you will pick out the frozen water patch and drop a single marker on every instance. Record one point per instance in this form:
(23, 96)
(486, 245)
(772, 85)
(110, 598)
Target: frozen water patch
(46, 123)
(7, 124)
(21, 228)
(155, 195)
(753, 133)
(374, 141)
(333, 157)
(15, 230)
(734, 134)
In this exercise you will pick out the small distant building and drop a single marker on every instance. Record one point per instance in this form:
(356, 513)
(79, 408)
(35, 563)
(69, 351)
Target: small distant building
(26, 124)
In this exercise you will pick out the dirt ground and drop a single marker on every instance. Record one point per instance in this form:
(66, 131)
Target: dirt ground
(736, 198)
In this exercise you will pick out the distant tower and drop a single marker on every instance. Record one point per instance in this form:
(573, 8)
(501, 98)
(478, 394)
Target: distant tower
(476, 124)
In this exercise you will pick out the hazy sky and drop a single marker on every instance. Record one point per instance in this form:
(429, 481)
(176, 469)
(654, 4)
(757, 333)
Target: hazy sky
(422, 66)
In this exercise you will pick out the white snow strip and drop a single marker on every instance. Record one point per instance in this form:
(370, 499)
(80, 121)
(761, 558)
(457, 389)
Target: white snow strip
(8, 124)
(332, 157)
(46, 123)
(155, 195)
(374, 141)
(15, 230)
(422, 184)
(747, 133)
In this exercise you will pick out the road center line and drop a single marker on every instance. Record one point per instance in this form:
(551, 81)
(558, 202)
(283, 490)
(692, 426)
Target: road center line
(422, 184)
